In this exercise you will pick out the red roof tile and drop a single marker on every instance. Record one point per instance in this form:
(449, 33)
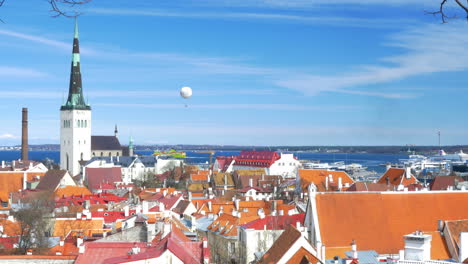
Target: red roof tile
(97, 176)
(275, 222)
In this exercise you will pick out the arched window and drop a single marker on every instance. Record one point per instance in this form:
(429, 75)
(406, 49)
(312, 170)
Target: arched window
(86, 123)
(81, 155)
(102, 154)
(117, 154)
(94, 154)
(67, 162)
(110, 154)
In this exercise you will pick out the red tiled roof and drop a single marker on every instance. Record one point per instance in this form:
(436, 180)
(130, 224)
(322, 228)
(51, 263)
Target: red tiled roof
(275, 222)
(97, 176)
(224, 162)
(257, 158)
(112, 253)
(378, 221)
(443, 182)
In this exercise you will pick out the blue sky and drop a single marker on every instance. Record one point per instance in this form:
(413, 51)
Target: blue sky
(265, 72)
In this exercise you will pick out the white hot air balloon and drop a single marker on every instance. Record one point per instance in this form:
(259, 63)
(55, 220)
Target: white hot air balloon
(186, 92)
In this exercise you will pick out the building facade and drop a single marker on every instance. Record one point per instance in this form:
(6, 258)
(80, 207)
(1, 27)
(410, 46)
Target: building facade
(75, 119)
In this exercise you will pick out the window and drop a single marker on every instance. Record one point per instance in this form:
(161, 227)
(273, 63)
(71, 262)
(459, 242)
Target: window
(117, 154)
(81, 155)
(110, 154)
(102, 154)
(4, 204)
(232, 248)
(86, 123)
(94, 154)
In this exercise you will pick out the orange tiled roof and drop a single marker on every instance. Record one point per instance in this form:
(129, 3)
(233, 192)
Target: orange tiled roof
(397, 176)
(439, 248)
(331, 252)
(67, 249)
(3, 196)
(301, 254)
(13, 181)
(10, 228)
(63, 226)
(378, 221)
(318, 177)
(72, 190)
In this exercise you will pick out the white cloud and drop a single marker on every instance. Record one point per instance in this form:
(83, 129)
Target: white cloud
(342, 21)
(429, 49)
(8, 71)
(66, 46)
(8, 136)
(269, 107)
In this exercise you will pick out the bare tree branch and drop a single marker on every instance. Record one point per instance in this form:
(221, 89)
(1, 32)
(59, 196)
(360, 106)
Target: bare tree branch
(442, 13)
(57, 7)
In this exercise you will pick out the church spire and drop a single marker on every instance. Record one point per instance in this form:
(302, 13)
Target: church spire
(75, 93)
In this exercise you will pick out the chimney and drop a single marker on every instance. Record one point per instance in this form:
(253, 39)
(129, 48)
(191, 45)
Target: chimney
(340, 183)
(209, 206)
(80, 244)
(463, 246)
(326, 183)
(24, 136)
(190, 196)
(236, 203)
(387, 180)
(126, 211)
(251, 182)
(145, 206)
(354, 249)
(25, 179)
(408, 172)
(440, 225)
(319, 250)
(418, 246)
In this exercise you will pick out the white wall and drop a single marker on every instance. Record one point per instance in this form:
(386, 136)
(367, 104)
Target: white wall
(252, 241)
(75, 141)
(286, 166)
(463, 246)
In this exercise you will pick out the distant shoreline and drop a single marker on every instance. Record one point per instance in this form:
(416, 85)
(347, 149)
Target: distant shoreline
(294, 149)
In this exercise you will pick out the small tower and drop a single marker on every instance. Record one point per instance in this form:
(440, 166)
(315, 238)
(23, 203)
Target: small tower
(130, 147)
(75, 119)
(116, 131)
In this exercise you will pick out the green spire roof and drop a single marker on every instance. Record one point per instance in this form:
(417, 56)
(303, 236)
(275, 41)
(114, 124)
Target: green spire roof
(75, 93)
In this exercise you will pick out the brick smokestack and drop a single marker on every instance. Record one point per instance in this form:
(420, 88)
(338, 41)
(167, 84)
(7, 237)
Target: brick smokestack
(24, 136)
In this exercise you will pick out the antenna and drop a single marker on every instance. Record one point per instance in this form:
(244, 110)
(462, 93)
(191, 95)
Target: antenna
(438, 133)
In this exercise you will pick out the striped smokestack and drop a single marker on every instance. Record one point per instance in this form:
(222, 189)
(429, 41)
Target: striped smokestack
(24, 136)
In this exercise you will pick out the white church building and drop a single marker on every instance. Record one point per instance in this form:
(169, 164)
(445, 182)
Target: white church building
(75, 119)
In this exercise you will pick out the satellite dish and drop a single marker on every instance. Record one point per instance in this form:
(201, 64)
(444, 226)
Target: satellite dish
(186, 92)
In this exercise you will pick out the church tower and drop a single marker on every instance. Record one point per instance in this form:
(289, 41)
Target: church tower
(75, 119)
